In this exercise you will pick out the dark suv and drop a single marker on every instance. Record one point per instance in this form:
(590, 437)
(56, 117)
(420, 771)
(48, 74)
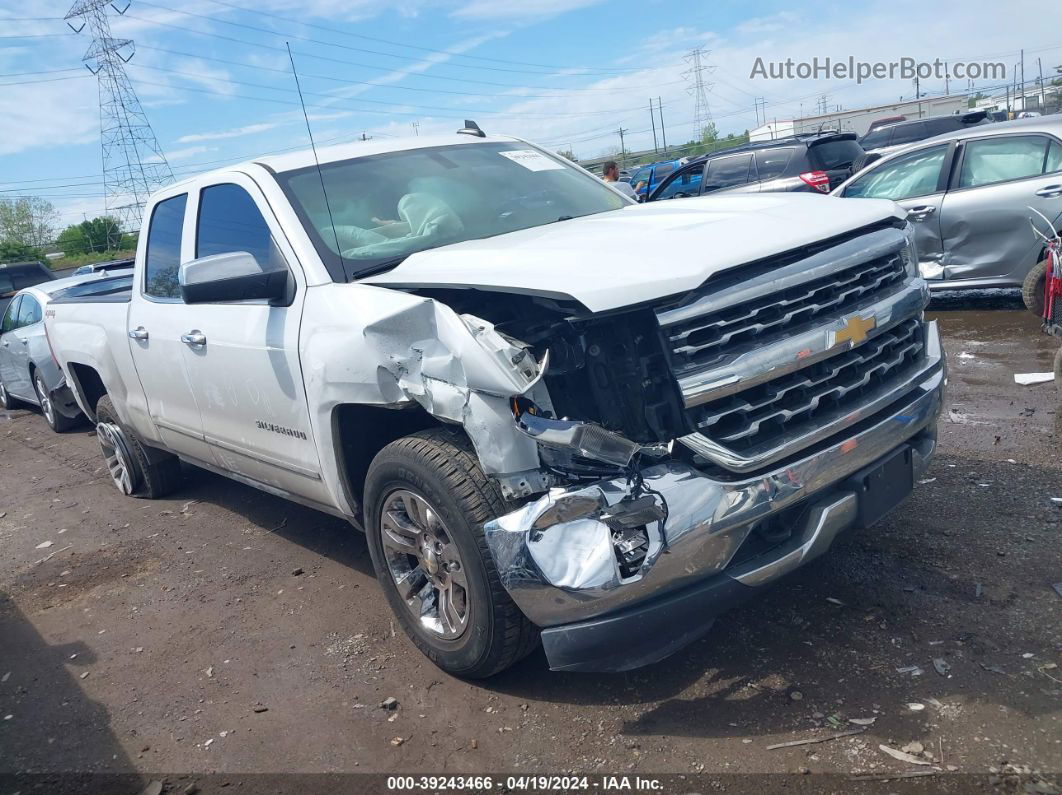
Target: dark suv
(800, 163)
(889, 137)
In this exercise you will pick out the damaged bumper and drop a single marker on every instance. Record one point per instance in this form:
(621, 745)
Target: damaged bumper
(559, 559)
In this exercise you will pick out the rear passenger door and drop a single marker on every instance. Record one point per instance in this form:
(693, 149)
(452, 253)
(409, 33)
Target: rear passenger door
(246, 374)
(986, 214)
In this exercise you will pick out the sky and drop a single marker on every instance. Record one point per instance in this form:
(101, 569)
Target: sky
(215, 81)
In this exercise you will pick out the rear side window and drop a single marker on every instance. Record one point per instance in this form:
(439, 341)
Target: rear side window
(908, 133)
(28, 277)
(771, 163)
(942, 125)
(725, 172)
(1002, 159)
(29, 312)
(833, 154)
(163, 256)
(8, 322)
(229, 220)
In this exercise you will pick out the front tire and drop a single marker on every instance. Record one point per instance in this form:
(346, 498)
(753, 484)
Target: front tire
(426, 500)
(134, 470)
(56, 421)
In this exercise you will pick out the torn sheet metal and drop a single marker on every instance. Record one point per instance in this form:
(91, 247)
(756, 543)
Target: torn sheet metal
(416, 350)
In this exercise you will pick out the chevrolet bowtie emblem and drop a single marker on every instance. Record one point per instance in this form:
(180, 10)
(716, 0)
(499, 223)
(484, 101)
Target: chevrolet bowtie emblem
(855, 330)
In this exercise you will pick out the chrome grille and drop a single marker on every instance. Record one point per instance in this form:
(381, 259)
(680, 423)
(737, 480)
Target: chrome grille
(764, 416)
(705, 340)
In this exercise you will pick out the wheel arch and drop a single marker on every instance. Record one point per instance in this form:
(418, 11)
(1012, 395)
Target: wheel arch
(361, 431)
(88, 387)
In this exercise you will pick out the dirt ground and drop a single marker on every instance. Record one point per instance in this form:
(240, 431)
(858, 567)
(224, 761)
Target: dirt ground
(175, 639)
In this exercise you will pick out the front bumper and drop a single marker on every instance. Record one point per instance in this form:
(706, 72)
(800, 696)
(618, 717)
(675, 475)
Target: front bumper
(562, 570)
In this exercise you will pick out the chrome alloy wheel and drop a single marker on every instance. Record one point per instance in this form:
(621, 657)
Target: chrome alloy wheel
(116, 454)
(47, 409)
(424, 564)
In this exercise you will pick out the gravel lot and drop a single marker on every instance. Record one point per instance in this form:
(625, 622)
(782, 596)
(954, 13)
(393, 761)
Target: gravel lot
(176, 639)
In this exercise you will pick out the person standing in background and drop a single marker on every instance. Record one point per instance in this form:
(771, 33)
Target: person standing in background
(610, 173)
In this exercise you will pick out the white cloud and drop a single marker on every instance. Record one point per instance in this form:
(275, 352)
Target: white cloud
(524, 10)
(43, 115)
(768, 24)
(173, 155)
(237, 132)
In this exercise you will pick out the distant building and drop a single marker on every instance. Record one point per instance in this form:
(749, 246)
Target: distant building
(859, 120)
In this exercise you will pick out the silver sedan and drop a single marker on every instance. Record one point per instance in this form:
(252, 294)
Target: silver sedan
(28, 373)
(969, 195)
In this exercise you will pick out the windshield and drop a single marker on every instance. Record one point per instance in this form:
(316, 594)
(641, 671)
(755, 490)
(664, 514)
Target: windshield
(386, 207)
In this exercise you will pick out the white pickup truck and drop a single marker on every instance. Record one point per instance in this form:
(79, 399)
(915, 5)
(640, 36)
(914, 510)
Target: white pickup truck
(558, 415)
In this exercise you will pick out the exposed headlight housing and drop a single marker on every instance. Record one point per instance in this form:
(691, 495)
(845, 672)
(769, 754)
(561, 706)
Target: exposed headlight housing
(909, 253)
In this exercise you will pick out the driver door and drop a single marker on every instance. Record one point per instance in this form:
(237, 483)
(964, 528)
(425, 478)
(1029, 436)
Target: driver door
(683, 183)
(917, 182)
(7, 339)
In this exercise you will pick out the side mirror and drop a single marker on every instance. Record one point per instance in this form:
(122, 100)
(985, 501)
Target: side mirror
(233, 276)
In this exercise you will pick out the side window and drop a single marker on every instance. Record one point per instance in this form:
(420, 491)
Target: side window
(685, 183)
(915, 174)
(1054, 158)
(1001, 159)
(876, 138)
(229, 220)
(8, 322)
(29, 312)
(725, 172)
(163, 256)
(907, 133)
(771, 163)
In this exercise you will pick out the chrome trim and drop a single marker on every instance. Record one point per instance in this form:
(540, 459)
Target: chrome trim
(795, 352)
(827, 519)
(567, 571)
(785, 446)
(824, 263)
(170, 426)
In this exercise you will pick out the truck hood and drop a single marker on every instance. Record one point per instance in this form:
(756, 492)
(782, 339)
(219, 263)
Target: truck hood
(638, 253)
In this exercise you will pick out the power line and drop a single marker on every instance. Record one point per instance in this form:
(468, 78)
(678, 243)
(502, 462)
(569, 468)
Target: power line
(258, 12)
(702, 115)
(568, 92)
(352, 48)
(331, 59)
(336, 98)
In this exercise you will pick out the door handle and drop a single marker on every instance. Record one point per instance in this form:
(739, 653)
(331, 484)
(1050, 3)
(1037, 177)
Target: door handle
(139, 333)
(194, 338)
(1050, 191)
(921, 213)
(23, 340)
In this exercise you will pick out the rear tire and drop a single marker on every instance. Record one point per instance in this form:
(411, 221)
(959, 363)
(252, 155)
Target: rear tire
(438, 473)
(59, 423)
(134, 469)
(1032, 289)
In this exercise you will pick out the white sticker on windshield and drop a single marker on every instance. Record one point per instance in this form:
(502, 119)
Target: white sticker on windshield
(532, 160)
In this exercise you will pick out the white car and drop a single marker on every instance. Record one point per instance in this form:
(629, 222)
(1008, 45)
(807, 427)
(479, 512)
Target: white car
(524, 387)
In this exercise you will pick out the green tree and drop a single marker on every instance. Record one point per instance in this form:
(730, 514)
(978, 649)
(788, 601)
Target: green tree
(27, 220)
(18, 252)
(99, 234)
